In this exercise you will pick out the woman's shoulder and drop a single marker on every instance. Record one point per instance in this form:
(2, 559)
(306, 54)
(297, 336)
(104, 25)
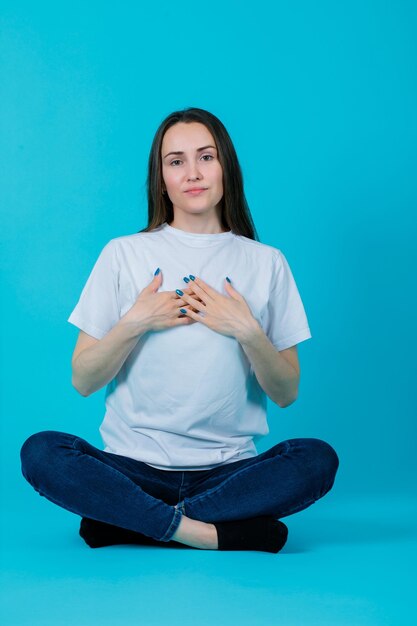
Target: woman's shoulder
(132, 240)
(258, 247)
(133, 237)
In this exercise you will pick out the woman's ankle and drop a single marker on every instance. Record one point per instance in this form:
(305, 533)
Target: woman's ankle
(196, 534)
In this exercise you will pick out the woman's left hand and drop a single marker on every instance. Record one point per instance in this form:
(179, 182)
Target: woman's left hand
(226, 315)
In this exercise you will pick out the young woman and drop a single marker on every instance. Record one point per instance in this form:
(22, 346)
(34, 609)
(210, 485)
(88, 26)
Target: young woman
(190, 323)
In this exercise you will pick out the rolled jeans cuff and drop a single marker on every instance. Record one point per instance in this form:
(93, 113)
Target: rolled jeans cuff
(173, 525)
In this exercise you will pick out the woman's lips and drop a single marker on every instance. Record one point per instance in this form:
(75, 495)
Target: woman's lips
(195, 192)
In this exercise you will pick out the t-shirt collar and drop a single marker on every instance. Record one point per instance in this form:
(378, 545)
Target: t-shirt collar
(197, 239)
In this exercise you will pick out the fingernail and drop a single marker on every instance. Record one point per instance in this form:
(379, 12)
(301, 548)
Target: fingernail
(187, 280)
(228, 279)
(183, 311)
(157, 272)
(191, 276)
(179, 292)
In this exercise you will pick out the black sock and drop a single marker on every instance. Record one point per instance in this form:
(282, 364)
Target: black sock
(98, 534)
(264, 533)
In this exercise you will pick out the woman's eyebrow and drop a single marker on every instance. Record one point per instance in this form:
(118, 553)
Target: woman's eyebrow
(198, 150)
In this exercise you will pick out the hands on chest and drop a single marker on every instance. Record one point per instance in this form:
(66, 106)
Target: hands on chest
(199, 302)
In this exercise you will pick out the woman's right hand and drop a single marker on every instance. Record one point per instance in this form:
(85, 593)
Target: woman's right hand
(155, 310)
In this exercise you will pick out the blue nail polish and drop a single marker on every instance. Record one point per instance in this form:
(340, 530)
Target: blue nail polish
(191, 276)
(183, 311)
(179, 292)
(157, 272)
(228, 279)
(187, 280)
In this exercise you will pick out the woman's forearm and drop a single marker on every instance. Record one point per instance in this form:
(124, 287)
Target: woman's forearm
(275, 375)
(99, 364)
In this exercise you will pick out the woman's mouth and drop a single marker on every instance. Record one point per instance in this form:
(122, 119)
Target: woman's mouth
(195, 192)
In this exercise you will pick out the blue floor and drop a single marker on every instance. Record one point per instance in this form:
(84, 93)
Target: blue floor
(349, 561)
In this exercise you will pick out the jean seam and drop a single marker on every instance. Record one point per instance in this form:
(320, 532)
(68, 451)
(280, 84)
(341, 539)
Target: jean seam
(180, 489)
(74, 442)
(173, 525)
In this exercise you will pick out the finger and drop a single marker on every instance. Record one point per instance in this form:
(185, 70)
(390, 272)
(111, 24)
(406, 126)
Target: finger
(155, 283)
(186, 307)
(179, 300)
(200, 306)
(176, 295)
(203, 290)
(194, 316)
(232, 291)
(186, 294)
(182, 303)
(191, 292)
(182, 312)
(183, 320)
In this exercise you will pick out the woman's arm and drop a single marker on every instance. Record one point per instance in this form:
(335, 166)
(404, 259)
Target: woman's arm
(96, 362)
(95, 366)
(278, 375)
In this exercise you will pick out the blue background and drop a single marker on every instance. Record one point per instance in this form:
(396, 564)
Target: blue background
(320, 100)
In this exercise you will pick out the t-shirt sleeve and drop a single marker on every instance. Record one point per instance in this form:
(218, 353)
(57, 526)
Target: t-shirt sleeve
(97, 310)
(285, 321)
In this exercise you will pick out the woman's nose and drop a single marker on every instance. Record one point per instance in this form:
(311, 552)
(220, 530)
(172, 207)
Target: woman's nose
(193, 171)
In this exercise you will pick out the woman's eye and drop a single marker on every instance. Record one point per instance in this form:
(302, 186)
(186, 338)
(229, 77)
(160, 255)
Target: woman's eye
(204, 155)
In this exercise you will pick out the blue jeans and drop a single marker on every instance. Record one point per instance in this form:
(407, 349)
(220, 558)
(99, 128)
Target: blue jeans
(122, 491)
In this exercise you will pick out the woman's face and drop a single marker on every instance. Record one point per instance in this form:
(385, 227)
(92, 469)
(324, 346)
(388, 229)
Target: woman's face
(191, 167)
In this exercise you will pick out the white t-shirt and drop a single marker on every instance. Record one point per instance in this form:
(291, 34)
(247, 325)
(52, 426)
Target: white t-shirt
(186, 398)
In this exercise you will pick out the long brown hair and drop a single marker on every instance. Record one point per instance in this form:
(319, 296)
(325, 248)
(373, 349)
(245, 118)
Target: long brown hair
(235, 213)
